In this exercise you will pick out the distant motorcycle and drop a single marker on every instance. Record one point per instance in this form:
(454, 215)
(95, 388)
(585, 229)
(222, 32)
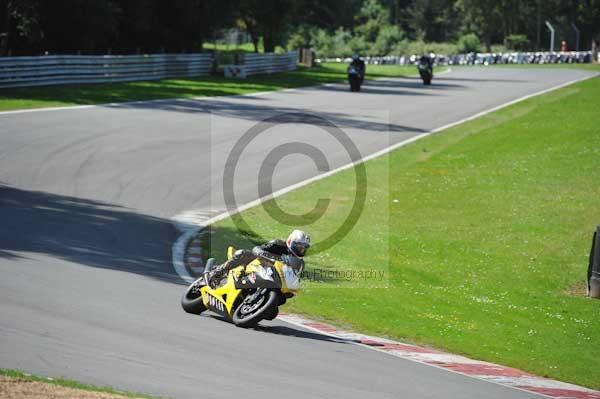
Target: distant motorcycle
(425, 71)
(355, 78)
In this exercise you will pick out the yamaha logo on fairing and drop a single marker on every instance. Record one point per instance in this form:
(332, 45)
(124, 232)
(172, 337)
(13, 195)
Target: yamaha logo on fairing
(215, 303)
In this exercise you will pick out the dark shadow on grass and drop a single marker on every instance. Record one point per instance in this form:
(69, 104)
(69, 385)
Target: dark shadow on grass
(85, 232)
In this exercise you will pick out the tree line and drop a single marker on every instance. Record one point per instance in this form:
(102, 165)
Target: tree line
(375, 27)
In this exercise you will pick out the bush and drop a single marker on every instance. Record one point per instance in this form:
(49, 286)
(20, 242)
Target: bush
(387, 39)
(300, 38)
(440, 48)
(358, 45)
(327, 45)
(418, 47)
(516, 42)
(499, 48)
(468, 43)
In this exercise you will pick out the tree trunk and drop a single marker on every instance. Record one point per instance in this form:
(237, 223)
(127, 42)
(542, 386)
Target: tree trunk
(252, 32)
(539, 27)
(268, 42)
(4, 51)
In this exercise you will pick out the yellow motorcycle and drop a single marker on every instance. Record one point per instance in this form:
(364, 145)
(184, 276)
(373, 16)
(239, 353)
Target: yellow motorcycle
(247, 295)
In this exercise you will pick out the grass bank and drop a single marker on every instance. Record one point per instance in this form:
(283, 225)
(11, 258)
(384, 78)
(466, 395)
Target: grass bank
(64, 95)
(16, 384)
(484, 230)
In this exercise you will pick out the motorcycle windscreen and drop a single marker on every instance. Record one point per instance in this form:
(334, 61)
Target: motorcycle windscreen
(291, 277)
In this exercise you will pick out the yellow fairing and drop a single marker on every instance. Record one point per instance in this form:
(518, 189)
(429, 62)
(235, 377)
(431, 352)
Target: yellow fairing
(213, 297)
(228, 291)
(256, 264)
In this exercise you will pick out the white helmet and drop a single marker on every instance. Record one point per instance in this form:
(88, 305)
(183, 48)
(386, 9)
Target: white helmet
(298, 242)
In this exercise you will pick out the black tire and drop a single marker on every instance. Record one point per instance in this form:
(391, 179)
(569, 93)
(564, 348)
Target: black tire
(273, 314)
(191, 300)
(264, 311)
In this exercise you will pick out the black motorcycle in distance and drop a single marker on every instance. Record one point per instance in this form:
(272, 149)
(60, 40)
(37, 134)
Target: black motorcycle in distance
(425, 71)
(355, 78)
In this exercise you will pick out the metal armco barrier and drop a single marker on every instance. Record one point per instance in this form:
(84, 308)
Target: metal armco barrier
(66, 69)
(257, 63)
(547, 57)
(594, 268)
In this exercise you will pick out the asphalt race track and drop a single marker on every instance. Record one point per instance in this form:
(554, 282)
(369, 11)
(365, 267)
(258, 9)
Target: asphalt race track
(87, 288)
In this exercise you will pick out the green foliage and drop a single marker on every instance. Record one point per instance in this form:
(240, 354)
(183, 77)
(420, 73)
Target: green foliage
(301, 37)
(406, 47)
(516, 42)
(371, 17)
(387, 39)
(468, 43)
(358, 45)
(431, 20)
(499, 48)
(117, 26)
(131, 26)
(266, 19)
(336, 45)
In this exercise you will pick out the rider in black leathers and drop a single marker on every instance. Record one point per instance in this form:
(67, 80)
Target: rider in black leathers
(427, 60)
(360, 65)
(289, 252)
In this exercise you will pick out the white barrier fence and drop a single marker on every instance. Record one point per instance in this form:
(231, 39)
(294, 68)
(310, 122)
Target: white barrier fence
(570, 57)
(257, 63)
(69, 69)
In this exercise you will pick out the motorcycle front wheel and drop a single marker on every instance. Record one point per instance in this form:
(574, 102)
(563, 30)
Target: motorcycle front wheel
(191, 300)
(255, 308)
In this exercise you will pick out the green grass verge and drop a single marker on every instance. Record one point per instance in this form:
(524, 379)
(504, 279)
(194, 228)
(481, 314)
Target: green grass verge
(485, 230)
(70, 384)
(54, 96)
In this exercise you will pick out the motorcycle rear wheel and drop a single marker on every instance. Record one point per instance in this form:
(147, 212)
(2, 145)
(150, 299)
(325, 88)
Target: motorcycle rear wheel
(244, 318)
